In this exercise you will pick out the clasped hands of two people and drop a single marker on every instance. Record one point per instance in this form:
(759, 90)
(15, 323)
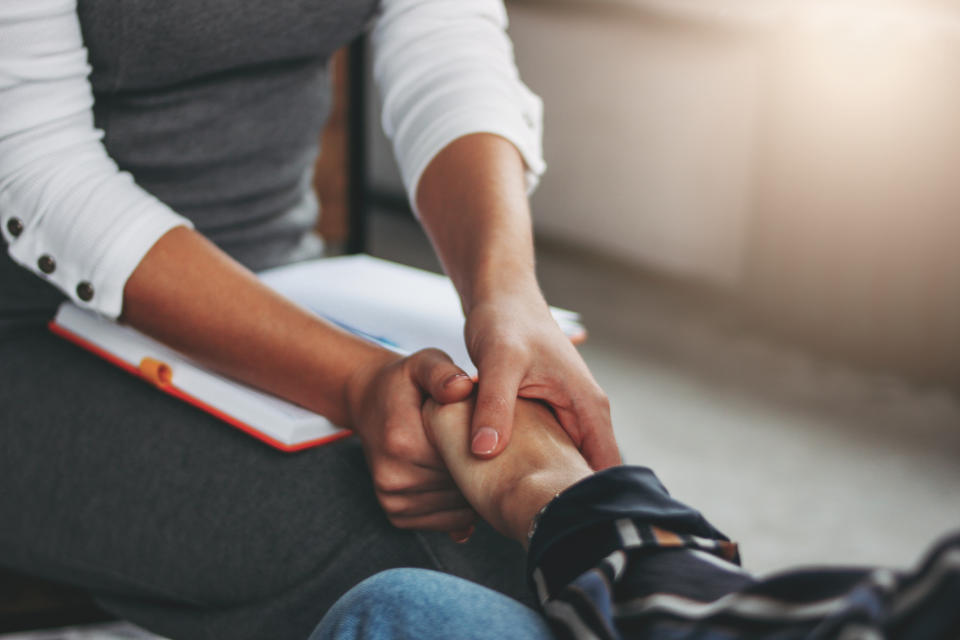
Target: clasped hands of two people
(520, 352)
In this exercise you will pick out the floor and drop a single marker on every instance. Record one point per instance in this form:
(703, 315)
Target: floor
(802, 460)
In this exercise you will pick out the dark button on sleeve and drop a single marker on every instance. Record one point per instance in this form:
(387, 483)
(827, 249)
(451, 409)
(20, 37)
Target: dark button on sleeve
(85, 291)
(15, 226)
(47, 264)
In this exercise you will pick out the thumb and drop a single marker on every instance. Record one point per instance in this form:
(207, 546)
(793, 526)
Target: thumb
(434, 372)
(492, 421)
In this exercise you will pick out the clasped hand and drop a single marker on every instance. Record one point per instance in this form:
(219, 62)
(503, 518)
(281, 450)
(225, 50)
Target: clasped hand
(520, 352)
(410, 480)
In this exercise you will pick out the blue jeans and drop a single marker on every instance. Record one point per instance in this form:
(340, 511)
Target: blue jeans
(418, 604)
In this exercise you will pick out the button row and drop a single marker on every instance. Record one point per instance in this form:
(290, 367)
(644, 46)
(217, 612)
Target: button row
(47, 264)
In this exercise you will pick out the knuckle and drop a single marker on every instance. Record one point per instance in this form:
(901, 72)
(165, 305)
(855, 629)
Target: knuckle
(602, 400)
(511, 347)
(400, 443)
(394, 506)
(432, 353)
(392, 426)
(388, 480)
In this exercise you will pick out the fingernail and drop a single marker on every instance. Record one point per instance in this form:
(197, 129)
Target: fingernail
(461, 537)
(484, 441)
(455, 378)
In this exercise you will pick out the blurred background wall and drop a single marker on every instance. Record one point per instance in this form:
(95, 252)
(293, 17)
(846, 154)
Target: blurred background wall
(802, 158)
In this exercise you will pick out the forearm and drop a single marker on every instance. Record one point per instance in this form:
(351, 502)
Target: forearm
(193, 297)
(473, 204)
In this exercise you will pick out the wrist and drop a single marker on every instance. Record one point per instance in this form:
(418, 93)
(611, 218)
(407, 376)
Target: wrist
(528, 496)
(502, 282)
(360, 380)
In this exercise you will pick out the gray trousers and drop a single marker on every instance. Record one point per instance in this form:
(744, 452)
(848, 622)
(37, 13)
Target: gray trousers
(181, 523)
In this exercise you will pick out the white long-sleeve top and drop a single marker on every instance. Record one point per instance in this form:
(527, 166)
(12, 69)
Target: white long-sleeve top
(444, 69)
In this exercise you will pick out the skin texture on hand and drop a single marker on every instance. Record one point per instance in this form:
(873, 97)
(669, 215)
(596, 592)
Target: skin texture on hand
(473, 203)
(507, 491)
(521, 352)
(410, 479)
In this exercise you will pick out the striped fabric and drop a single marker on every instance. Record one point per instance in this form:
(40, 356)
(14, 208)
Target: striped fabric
(615, 556)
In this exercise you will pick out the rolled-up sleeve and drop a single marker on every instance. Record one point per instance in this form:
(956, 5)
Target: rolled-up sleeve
(445, 69)
(67, 212)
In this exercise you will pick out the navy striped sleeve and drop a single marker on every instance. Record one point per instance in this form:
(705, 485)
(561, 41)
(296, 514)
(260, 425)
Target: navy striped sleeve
(615, 556)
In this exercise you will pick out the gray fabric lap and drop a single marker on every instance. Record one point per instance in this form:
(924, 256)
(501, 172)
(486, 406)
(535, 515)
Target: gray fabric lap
(182, 523)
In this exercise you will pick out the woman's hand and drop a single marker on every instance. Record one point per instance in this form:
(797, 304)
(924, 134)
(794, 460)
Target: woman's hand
(520, 351)
(385, 399)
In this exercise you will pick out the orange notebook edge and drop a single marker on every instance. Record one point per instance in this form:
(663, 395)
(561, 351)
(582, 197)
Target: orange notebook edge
(153, 376)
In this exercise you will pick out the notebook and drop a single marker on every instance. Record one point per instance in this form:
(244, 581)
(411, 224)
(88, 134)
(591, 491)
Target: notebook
(399, 307)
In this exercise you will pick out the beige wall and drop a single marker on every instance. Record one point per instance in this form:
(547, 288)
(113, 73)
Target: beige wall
(806, 156)
(649, 137)
(856, 239)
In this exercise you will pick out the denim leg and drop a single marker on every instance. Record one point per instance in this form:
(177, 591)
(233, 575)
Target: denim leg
(419, 604)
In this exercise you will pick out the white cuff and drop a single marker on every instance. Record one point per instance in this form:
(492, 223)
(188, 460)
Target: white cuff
(84, 232)
(66, 211)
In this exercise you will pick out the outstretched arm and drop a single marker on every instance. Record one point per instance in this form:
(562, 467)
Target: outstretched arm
(467, 135)
(473, 205)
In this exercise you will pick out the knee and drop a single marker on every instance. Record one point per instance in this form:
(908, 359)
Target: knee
(380, 606)
(397, 592)
(400, 604)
